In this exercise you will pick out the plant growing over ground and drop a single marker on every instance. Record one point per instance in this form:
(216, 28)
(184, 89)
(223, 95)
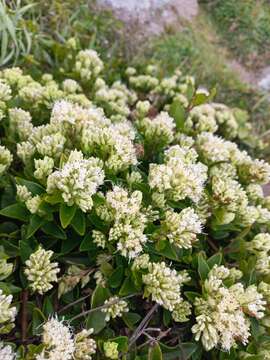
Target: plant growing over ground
(133, 225)
(244, 26)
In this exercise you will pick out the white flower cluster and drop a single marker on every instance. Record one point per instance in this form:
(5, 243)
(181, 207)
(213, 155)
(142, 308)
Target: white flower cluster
(125, 211)
(111, 350)
(115, 308)
(226, 120)
(88, 65)
(201, 118)
(77, 181)
(85, 346)
(115, 100)
(222, 314)
(158, 131)
(149, 178)
(60, 343)
(180, 177)
(163, 285)
(260, 246)
(6, 352)
(7, 313)
(5, 96)
(5, 159)
(182, 228)
(112, 143)
(40, 271)
(20, 123)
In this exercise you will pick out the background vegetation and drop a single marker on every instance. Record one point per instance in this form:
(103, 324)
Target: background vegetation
(34, 34)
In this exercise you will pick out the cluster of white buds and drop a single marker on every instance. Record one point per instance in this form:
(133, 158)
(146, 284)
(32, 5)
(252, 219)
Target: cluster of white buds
(70, 86)
(179, 178)
(20, 123)
(226, 120)
(77, 181)
(57, 340)
(255, 193)
(5, 267)
(5, 95)
(158, 131)
(222, 313)
(125, 211)
(32, 93)
(88, 65)
(5, 92)
(143, 82)
(115, 308)
(229, 195)
(7, 313)
(115, 99)
(112, 143)
(5, 159)
(260, 246)
(163, 285)
(111, 350)
(85, 346)
(141, 262)
(43, 167)
(213, 148)
(254, 171)
(99, 238)
(201, 119)
(6, 352)
(182, 228)
(40, 271)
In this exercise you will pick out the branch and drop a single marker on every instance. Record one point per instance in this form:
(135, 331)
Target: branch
(102, 307)
(24, 299)
(140, 329)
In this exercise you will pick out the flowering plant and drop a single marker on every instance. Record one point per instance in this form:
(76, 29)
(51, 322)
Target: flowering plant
(134, 224)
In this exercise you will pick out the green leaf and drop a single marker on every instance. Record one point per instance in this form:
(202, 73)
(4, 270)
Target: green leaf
(8, 288)
(183, 351)
(73, 240)
(192, 295)
(128, 287)
(47, 307)
(66, 214)
(78, 222)
(199, 99)
(203, 267)
(116, 278)
(26, 249)
(178, 112)
(122, 342)
(167, 317)
(99, 296)
(214, 260)
(38, 318)
(54, 230)
(131, 319)
(87, 243)
(35, 223)
(155, 353)
(16, 211)
(53, 199)
(33, 187)
(166, 250)
(96, 321)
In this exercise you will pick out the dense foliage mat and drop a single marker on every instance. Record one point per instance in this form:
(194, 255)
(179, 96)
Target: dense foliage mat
(133, 222)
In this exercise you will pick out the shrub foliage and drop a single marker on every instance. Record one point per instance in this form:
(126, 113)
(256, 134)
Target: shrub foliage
(134, 224)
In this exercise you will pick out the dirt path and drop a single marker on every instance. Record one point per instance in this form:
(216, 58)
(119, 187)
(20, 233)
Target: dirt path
(151, 17)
